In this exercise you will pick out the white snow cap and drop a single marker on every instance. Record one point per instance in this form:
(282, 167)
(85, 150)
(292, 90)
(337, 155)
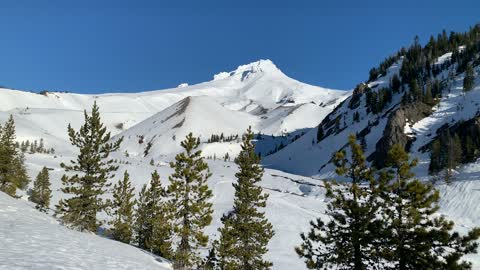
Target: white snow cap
(182, 85)
(260, 66)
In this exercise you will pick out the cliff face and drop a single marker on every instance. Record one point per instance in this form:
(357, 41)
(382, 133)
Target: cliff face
(394, 132)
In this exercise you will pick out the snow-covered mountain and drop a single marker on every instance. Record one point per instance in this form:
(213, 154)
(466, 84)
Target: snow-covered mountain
(257, 95)
(153, 124)
(284, 111)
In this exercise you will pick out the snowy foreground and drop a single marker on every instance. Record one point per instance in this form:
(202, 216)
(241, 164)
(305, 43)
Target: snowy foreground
(294, 201)
(33, 240)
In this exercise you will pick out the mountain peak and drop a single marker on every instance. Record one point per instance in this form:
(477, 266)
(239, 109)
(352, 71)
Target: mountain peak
(243, 71)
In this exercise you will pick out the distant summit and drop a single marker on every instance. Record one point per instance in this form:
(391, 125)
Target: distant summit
(244, 71)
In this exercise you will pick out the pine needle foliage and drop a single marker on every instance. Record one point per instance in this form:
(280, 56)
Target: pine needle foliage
(13, 174)
(123, 204)
(348, 239)
(41, 192)
(189, 203)
(246, 231)
(88, 174)
(153, 229)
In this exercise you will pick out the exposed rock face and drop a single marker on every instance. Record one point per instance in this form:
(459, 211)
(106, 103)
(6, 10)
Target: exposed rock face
(394, 132)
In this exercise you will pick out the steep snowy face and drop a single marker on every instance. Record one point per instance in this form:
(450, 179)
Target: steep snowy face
(414, 125)
(161, 134)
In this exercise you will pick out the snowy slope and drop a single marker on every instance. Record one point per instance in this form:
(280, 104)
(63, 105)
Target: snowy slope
(314, 159)
(33, 240)
(293, 202)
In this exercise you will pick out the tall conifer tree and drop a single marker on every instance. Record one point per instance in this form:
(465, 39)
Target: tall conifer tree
(123, 206)
(92, 170)
(41, 192)
(348, 240)
(469, 80)
(13, 174)
(246, 231)
(413, 238)
(153, 231)
(189, 203)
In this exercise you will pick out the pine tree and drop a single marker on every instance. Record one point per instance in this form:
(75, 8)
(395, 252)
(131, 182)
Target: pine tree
(188, 202)
(246, 231)
(142, 227)
(453, 157)
(395, 83)
(123, 205)
(153, 231)
(412, 237)
(469, 80)
(320, 133)
(435, 157)
(41, 192)
(35, 146)
(41, 146)
(211, 262)
(348, 240)
(13, 173)
(428, 98)
(415, 90)
(92, 168)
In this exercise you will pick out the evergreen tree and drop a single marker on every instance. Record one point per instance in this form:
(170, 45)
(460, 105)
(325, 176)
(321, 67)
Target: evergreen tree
(348, 240)
(412, 237)
(92, 169)
(41, 192)
(153, 231)
(395, 83)
(13, 173)
(415, 91)
(188, 202)
(453, 157)
(246, 231)
(428, 98)
(435, 157)
(469, 80)
(320, 133)
(123, 205)
(211, 262)
(41, 146)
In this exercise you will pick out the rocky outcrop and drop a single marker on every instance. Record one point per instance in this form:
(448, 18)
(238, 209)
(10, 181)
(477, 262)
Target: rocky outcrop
(394, 132)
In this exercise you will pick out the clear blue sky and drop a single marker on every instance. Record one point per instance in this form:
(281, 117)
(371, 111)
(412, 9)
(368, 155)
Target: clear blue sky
(128, 46)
